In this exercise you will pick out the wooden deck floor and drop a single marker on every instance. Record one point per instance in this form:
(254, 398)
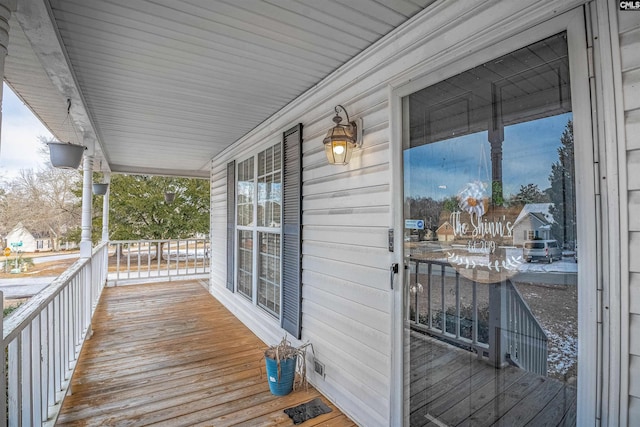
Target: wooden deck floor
(449, 386)
(170, 354)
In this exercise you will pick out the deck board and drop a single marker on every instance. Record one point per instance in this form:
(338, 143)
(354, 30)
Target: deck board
(170, 354)
(452, 386)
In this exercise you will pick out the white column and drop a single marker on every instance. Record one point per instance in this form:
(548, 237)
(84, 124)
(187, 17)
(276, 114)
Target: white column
(85, 239)
(105, 209)
(5, 14)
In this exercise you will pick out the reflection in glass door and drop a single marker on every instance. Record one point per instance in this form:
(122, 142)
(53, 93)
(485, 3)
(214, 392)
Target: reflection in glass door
(490, 243)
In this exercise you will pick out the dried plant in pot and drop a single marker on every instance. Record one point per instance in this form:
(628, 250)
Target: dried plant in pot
(281, 362)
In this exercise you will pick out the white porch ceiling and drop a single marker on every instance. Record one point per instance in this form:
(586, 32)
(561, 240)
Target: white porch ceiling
(162, 86)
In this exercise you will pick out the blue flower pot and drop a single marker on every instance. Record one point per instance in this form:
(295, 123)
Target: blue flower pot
(283, 385)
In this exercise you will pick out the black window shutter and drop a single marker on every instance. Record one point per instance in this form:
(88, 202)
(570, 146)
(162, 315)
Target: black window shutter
(231, 222)
(292, 230)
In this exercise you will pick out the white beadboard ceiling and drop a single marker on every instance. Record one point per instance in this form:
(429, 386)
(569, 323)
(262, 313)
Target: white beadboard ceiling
(161, 86)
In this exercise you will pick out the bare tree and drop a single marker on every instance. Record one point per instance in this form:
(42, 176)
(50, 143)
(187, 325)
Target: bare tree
(43, 201)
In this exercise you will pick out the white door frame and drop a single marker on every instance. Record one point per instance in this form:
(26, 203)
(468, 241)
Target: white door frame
(485, 49)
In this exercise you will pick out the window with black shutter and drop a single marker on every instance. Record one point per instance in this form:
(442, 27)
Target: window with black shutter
(231, 222)
(292, 231)
(264, 220)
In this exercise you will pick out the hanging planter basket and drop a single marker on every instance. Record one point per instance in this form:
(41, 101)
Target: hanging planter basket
(100, 189)
(65, 155)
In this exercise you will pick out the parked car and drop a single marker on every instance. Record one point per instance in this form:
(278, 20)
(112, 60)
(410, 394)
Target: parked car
(547, 250)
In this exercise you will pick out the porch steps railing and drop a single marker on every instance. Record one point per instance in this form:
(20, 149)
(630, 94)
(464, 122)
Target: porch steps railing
(526, 341)
(492, 320)
(42, 341)
(138, 259)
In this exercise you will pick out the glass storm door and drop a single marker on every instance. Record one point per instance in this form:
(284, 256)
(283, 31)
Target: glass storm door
(490, 241)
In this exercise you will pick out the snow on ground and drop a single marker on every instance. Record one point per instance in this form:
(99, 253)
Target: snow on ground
(562, 350)
(565, 265)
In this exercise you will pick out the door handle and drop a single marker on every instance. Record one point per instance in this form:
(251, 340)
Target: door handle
(392, 272)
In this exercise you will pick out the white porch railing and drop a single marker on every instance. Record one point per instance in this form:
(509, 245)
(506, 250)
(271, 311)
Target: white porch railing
(138, 259)
(491, 320)
(525, 340)
(42, 340)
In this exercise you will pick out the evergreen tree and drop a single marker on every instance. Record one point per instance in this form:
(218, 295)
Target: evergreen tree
(530, 193)
(138, 210)
(562, 192)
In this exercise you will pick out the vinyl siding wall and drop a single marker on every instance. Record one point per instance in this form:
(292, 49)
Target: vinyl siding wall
(347, 305)
(629, 27)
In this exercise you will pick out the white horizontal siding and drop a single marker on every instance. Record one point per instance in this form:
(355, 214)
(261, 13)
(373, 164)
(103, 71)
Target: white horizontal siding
(634, 294)
(634, 374)
(631, 87)
(634, 408)
(629, 27)
(632, 125)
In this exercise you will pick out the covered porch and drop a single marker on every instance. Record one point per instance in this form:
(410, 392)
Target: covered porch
(88, 350)
(168, 353)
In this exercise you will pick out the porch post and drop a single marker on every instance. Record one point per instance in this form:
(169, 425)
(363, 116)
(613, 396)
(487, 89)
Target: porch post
(85, 240)
(497, 324)
(6, 6)
(105, 208)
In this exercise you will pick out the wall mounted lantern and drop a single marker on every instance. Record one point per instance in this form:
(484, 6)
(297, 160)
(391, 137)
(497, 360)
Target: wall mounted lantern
(342, 139)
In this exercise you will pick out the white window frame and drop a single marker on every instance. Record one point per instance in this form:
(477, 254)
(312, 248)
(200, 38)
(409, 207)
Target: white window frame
(255, 230)
(484, 49)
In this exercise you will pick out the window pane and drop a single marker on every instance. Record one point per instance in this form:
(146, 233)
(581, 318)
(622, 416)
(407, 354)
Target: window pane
(269, 274)
(246, 191)
(269, 189)
(245, 263)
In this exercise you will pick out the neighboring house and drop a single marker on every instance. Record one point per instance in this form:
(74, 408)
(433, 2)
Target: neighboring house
(445, 232)
(21, 239)
(533, 222)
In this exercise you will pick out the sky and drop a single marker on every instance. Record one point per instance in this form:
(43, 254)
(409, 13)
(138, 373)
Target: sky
(20, 143)
(441, 169)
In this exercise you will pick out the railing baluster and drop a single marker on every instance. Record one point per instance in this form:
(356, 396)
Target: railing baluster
(118, 254)
(139, 259)
(44, 362)
(429, 308)
(14, 381)
(415, 286)
(76, 316)
(443, 313)
(149, 259)
(68, 328)
(25, 378)
(474, 315)
(457, 331)
(35, 363)
(51, 349)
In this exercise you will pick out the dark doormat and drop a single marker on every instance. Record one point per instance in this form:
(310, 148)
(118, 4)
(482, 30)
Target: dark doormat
(306, 411)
